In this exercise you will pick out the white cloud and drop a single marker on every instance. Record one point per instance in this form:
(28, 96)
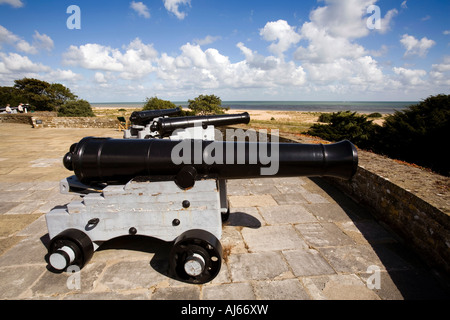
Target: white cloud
(387, 20)
(440, 73)
(257, 61)
(282, 32)
(14, 3)
(24, 46)
(348, 19)
(43, 41)
(361, 71)
(414, 46)
(404, 5)
(379, 53)
(141, 9)
(7, 36)
(14, 66)
(10, 38)
(173, 7)
(93, 56)
(197, 69)
(410, 77)
(14, 62)
(324, 48)
(446, 32)
(444, 66)
(134, 63)
(62, 75)
(342, 18)
(207, 40)
(100, 77)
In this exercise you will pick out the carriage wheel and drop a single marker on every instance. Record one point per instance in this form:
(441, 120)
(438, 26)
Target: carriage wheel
(196, 257)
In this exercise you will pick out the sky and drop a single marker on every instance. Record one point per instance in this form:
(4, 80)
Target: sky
(310, 50)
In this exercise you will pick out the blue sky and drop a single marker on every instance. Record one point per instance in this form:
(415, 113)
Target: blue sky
(306, 50)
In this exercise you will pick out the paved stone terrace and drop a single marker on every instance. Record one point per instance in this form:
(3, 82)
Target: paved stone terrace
(286, 239)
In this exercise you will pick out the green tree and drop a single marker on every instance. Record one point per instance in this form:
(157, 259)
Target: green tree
(76, 108)
(11, 96)
(35, 93)
(206, 105)
(158, 104)
(419, 134)
(43, 96)
(346, 125)
(59, 95)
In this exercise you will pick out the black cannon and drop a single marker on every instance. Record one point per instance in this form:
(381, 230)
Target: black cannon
(174, 191)
(166, 126)
(105, 160)
(156, 124)
(143, 118)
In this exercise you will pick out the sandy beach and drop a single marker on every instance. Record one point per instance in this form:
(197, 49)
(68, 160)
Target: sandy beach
(291, 116)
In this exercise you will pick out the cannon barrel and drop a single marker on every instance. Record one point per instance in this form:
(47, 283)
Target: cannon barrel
(165, 126)
(143, 118)
(106, 160)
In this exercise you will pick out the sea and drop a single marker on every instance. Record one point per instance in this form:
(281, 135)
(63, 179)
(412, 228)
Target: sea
(384, 107)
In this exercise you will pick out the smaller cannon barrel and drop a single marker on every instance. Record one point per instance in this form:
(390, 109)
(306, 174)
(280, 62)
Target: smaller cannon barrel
(142, 118)
(165, 126)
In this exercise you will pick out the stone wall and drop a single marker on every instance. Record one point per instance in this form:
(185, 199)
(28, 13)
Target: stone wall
(67, 122)
(414, 204)
(50, 120)
(15, 118)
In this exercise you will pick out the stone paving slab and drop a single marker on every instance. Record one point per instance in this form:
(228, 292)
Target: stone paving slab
(286, 239)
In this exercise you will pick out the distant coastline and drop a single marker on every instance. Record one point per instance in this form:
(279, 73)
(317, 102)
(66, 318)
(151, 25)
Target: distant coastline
(384, 107)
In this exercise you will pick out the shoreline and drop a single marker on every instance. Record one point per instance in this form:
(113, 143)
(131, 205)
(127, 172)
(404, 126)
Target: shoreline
(363, 107)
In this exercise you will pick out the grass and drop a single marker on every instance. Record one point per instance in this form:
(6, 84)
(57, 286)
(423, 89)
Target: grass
(282, 126)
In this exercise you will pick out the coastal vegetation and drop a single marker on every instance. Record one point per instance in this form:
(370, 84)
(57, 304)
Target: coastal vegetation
(413, 135)
(206, 105)
(76, 108)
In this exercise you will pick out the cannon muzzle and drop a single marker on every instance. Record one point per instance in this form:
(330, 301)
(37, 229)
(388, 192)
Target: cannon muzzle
(165, 126)
(105, 160)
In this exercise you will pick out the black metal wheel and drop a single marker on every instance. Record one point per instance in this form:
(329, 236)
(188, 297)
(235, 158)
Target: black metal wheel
(71, 247)
(196, 257)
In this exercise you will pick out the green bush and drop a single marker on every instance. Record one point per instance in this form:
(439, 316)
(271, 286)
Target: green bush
(325, 117)
(375, 115)
(76, 108)
(419, 134)
(158, 104)
(346, 125)
(207, 105)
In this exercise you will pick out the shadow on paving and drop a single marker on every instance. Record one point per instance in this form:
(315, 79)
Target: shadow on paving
(403, 272)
